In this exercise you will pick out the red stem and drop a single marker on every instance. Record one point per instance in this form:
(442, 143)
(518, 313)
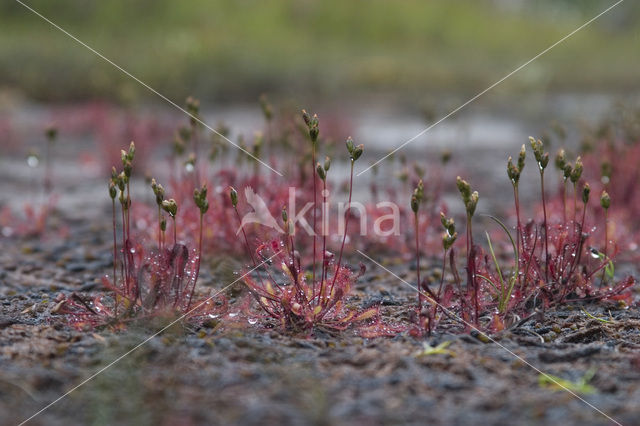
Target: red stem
(115, 250)
(417, 222)
(344, 236)
(195, 279)
(544, 225)
(315, 208)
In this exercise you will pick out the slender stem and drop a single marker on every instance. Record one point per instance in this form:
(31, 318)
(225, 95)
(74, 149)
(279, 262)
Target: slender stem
(115, 252)
(159, 230)
(324, 232)
(197, 272)
(471, 269)
(575, 203)
(519, 243)
(564, 200)
(124, 254)
(606, 231)
(175, 232)
(417, 222)
(344, 236)
(315, 208)
(544, 225)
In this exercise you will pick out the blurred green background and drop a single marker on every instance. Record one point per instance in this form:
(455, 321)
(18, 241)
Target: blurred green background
(235, 50)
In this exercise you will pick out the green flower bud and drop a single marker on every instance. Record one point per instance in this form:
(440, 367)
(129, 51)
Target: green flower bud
(473, 201)
(200, 198)
(285, 215)
(327, 164)
(521, 158)
(234, 196)
(357, 152)
(513, 172)
(350, 145)
(306, 117)
(586, 190)
(171, 207)
(577, 171)
(561, 160)
(415, 204)
(566, 173)
(321, 173)
(605, 200)
(112, 190)
(163, 224)
(132, 151)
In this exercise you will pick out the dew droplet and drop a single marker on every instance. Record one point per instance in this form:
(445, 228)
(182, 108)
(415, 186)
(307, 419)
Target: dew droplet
(32, 161)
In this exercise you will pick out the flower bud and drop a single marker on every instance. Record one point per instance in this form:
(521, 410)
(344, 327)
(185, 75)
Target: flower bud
(306, 117)
(234, 196)
(566, 173)
(171, 207)
(321, 173)
(350, 146)
(112, 190)
(357, 152)
(285, 215)
(577, 171)
(327, 164)
(586, 190)
(415, 204)
(513, 172)
(521, 158)
(605, 200)
(561, 160)
(132, 151)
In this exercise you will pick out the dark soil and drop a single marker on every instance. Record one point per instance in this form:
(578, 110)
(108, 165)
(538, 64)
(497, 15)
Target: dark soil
(190, 375)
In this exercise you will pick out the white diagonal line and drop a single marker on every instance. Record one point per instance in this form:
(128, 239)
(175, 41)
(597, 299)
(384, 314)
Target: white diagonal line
(127, 73)
(450, 313)
(129, 352)
(493, 85)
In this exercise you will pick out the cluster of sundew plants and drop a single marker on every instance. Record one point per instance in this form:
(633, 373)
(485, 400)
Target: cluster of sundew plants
(553, 262)
(146, 281)
(303, 299)
(555, 259)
